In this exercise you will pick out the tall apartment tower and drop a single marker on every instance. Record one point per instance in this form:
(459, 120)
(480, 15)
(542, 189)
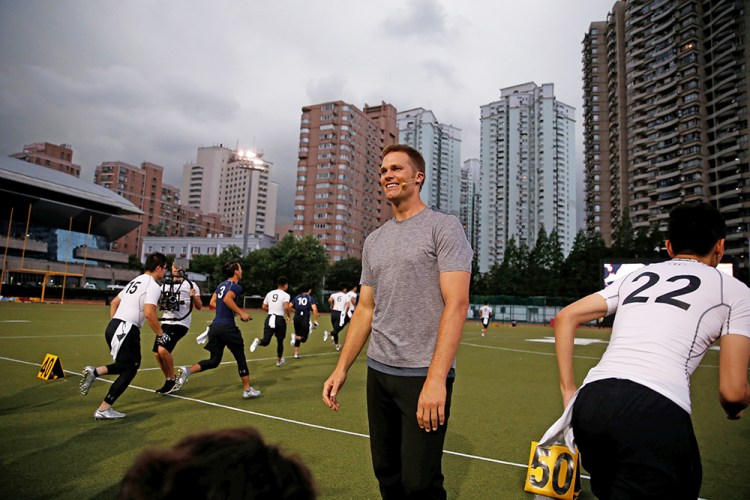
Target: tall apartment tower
(666, 114)
(469, 205)
(235, 184)
(338, 198)
(159, 201)
(527, 175)
(440, 145)
(52, 156)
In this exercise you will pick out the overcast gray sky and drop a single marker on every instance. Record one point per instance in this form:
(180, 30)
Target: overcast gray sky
(154, 80)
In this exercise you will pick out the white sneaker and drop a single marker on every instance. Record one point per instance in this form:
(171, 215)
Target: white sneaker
(182, 377)
(338, 347)
(108, 414)
(250, 393)
(279, 363)
(325, 335)
(254, 345)
(297, 356)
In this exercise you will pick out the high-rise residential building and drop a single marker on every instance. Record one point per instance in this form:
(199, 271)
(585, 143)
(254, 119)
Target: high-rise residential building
(160, 202)
(527, 173)
(666, 114)
(235, 184)
(338, 197)
(469, 204)
(440, 145)
(52, 156)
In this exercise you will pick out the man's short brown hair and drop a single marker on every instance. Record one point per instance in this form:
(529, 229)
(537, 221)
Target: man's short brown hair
(415, 156)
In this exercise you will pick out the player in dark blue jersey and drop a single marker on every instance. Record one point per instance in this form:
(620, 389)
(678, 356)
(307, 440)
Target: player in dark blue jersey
(223, 332)
(305, 318)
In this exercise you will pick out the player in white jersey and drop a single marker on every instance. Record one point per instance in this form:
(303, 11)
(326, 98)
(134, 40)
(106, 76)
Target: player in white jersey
(278, 303)
(176, 324)
(485, 312)
(339, 303)
(134, 305)
(351, 295)
(631, 417)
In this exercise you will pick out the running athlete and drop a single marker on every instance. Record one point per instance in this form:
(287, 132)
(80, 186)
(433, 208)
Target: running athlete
(351, 295)
(223, 332)
(278, 305)
(631, 416)
(134, 305)
(339, 303)
(305, 318)
(485, 312)
(176, 324)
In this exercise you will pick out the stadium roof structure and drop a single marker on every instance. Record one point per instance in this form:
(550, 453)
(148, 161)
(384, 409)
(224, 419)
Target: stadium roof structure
(56, 197)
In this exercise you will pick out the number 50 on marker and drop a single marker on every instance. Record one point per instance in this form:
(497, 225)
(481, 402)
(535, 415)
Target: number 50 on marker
(553, 472)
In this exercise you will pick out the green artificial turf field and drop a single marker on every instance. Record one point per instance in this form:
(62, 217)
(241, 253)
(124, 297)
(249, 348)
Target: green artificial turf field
(506, 395)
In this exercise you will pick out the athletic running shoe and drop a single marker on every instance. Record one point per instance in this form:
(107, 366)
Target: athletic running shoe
(291, 340)
(170, 386)
(325, 335)
(182, 377)
(279, 363)
(297, 356)
(88, 378)
(338, 347)
(250, 393)
(108, 414)
(254, 345)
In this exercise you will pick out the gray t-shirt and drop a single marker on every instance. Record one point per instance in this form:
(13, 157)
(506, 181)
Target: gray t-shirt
(402, 262)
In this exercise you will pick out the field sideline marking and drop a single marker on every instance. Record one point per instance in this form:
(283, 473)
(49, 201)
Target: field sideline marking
(282, 419)
(550, 353)
(522, 350)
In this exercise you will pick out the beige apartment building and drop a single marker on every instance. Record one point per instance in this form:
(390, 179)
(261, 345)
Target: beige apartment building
(666, 114)
(338, 197)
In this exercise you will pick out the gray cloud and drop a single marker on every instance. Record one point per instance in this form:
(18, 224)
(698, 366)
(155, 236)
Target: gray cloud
(140, 80)
(426, 19)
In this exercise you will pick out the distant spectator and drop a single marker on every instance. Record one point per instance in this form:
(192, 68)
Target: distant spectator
(226, 463)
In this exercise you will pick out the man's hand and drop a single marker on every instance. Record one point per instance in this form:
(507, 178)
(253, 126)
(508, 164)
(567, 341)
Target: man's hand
(163, 339)
(332, 387)
(431, 405)
(244, 316)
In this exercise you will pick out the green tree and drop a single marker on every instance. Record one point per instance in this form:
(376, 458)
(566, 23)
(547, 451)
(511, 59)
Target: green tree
(555, 259)
(134, 263)
(509, 278)
(623, 245)
(581, 272)
(345, 272)
(301, 260)
(648, 242)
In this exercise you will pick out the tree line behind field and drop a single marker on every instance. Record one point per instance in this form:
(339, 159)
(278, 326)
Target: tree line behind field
(541, 270)
(303, 261)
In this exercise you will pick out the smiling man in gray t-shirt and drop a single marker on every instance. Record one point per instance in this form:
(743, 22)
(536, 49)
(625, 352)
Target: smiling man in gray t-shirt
(413, 300)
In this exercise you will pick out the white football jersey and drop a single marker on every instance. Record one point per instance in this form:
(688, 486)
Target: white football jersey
(668, 315)
(352, 298)
(485, 311)
(183, 293)
(142, 290)
(276, 300)
(340, 300)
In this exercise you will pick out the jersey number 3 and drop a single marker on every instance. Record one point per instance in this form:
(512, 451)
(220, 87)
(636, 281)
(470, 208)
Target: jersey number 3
(667, 298)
